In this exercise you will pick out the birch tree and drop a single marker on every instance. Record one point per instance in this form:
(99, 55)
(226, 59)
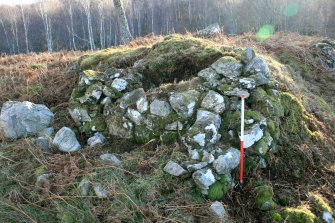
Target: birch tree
(44, 11)
(68, 6)
(102, 24)
(125, 35)
(25, 21)
(6, 35)
(86, 4)
(13, 18)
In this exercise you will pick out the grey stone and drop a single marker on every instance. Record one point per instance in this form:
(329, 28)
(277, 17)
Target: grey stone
(248, 55)
(209, 76)
(110, 92)
(196, 166)
(107, 157)
(252, 135)
(326, 53)
(21, 119)
(84, 186)
(249, 121)
(213, 101)
(203, 178)
(120, 126)
(79, 115)
(237, 92)
(88, 77)
(217, 209)
(43, 179)
(262, 163)
(206, 117)
(65, 140)
(225, 163)
(137, 63)
(119, 84)
(135, 98)
(227, 66)
(95, 140)
(208, 157)
(106, 101)
(204, 132)
(259, 70)
(184, 102)
(142, 104)
(135, 116)
(116, 75)
(231, 134)
(194, 154)
(100, 191)
(174, 126)
(209, 30)
(327, 217)
(248, 83)
(42, 142)
(92, 94)
(160, 108)
(174, 169)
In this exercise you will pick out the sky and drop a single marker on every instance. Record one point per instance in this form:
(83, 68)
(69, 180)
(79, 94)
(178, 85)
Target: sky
(16, 2)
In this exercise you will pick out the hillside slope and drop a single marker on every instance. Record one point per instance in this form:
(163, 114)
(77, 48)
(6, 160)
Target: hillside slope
(298, 179)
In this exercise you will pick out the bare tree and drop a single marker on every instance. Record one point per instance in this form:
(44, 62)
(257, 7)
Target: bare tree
(126, 37)
(44, 11)
(25, 21)
(68, 6)
(86, 4)
(13, 18)
(102, 24)
(6, 35)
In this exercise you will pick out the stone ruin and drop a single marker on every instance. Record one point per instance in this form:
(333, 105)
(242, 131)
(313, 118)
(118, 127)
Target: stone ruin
(325, 51)
(203, 112)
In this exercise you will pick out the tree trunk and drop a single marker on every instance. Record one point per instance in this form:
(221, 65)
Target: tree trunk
(25, 26)
(126, 37)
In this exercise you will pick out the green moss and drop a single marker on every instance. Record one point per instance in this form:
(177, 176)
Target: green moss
(277, 217)
(37, 66)
(35, 90)
(255, 115)
(298, 215)
(76, 94)
(264, 194)
(226, 87)
(143, 134)
(319, 203)
(92, 74)
(97, 124)
(218, 190)
(179, 57)
(260, 148)
(273, 129)
(169, 137)
(118, 57)
(250, 164)
(256, 95)
(297, 122)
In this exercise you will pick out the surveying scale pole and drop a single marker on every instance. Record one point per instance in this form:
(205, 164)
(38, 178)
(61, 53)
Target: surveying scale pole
(241, 138)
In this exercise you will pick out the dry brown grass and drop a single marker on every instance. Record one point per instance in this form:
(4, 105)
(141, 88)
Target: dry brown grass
(40, 78)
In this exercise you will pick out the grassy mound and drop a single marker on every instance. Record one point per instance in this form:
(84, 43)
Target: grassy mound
(139, 190)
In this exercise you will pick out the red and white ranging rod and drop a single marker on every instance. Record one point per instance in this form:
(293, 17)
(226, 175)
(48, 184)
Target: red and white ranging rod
(241, 139)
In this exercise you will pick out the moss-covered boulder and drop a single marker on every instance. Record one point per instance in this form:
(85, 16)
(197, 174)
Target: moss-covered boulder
(264, 197)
